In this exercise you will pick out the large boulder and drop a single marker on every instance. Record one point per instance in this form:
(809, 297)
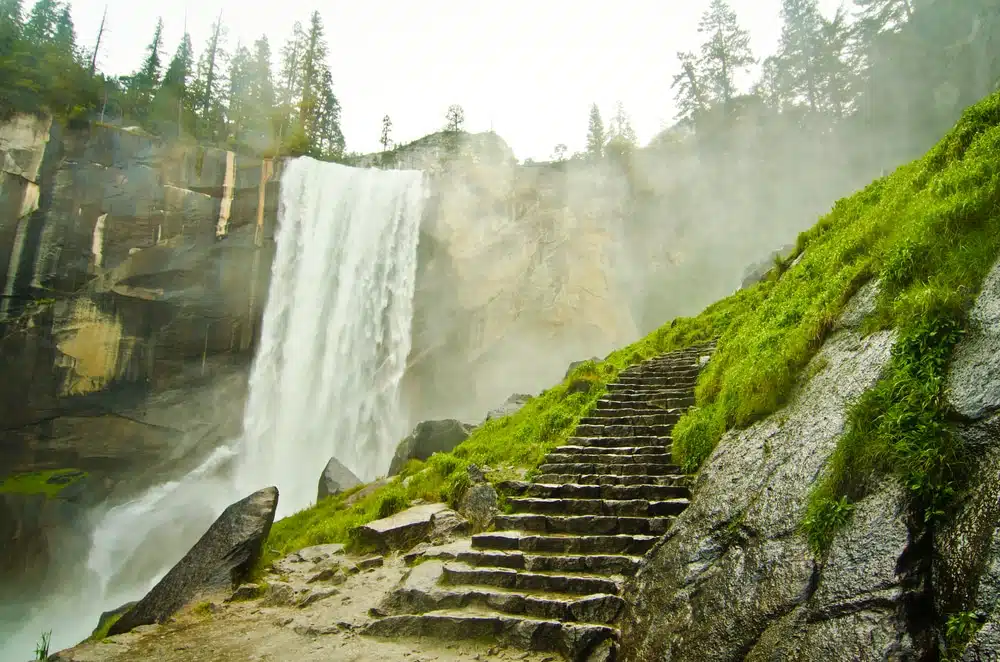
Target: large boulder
(974, 375)
(427, 438)
(758, 270)
(412, 526)
(221, 560)
(336, 478)
(480, 504)
(576, 364)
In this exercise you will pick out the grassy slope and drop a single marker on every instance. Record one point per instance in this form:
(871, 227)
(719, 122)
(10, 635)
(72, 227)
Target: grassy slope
(38, 482)
(929, 232)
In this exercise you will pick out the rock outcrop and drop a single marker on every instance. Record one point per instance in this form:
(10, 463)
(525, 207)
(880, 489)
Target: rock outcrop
(336, 478)
(427, 438)
(221, 560)
(966, 561)
(410, 527)
(734, 577)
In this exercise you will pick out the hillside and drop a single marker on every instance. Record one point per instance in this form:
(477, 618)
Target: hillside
(925, 236)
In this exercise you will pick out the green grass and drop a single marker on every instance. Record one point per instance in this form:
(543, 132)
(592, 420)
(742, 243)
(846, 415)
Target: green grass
(929, 232)
(101, 633)
(38, 482)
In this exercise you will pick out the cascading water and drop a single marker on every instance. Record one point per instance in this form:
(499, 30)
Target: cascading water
(325, 382)
(336, 330)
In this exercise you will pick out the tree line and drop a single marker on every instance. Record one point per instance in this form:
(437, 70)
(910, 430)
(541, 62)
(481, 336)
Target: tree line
(899, 68)
(228, 95)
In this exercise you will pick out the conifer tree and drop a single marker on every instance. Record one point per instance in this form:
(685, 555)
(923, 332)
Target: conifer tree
(210, 87)
(799, 52)
(690, 88)
(725, 53)
(386, 138)
(595, 133)
(173, 112)
(454, 118)
(143, 83)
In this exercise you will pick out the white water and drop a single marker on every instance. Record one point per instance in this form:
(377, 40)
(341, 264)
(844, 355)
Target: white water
(325, 382)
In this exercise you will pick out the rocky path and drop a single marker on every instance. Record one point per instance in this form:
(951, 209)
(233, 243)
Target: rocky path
(550, 576)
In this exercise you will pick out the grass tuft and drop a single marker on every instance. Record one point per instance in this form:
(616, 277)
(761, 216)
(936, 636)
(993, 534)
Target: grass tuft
(50, 483)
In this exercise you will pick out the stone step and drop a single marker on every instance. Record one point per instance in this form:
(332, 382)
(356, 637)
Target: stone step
(602, 458)
(631, 387)
(519, 541)
(661, 371)
(659, 449)
(657, 382)
(613, 430)
(597, 564)
(600, 608)
(575, 491)
(619, 441)
(584, 524)
(522, 580)
(629, 415)
(644, 395)
(612, 507)
(604, 479)
(575, 641)
(608, 469)
(625, 408)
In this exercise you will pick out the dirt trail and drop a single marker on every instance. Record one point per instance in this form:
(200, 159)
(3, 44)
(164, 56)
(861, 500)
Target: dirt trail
(326, 629)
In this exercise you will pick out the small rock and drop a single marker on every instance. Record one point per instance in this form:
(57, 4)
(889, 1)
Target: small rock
(245, 592)
(427, 438)
(279, 594)
(371, 562)
(400, 531)
(480, 504)
(319, 553)
(317, 595)
(326, 575)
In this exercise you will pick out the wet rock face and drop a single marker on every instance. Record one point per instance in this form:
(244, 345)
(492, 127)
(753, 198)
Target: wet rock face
(966, 566)
(221, 560)
(427, 438)
(734, 575)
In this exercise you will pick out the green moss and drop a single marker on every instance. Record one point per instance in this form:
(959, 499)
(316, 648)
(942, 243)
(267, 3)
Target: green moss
(50, 483)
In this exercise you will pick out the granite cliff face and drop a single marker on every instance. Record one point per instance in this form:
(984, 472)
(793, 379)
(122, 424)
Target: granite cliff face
(134, 275)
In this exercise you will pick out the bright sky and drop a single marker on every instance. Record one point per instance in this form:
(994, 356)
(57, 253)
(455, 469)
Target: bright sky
(527, 68)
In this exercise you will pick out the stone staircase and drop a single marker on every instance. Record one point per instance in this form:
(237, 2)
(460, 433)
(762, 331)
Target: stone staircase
(550, 576)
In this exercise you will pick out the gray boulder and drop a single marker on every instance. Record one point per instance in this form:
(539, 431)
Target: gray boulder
(221, 560)
(480, 503)
(336, 478)
(510, 406)
(410, 527)
(427, 438)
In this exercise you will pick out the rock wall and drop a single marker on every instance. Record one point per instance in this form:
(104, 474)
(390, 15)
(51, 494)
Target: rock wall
(134, 274)
(518, 276)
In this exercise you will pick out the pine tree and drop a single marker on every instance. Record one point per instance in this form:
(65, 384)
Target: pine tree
(620, 129)
(799, 52)
(143, 83)
(876, 16)
(313, 72)
(65, 36)
(11, 26)
(836, 64)
(454, 118)
(209, 88)
(329, 141)
(290, 81)
(690, 95)
(173, 110)
(42, 21)
(768, 86)
(239, 96)
(386, 138)
(595, 133)
(725, 53)
(260, 100)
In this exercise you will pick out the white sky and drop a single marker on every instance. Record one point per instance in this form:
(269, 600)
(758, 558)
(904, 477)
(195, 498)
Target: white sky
(528, 68)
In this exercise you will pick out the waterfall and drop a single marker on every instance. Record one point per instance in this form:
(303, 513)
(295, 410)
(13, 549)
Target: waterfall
(325, 382)
(336, 328)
